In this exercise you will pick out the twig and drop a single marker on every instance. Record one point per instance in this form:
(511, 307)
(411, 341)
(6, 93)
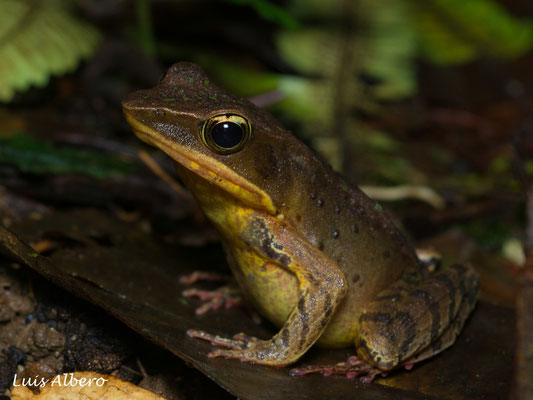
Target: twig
(395, 193)
(524, 298)
(156, 169)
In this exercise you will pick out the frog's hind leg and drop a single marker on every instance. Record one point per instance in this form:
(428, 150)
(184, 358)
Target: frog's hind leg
(409, 322)
(448, 336)
(409, 315)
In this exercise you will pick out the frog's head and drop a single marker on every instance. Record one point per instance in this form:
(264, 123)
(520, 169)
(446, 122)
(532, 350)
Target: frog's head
(223, 139)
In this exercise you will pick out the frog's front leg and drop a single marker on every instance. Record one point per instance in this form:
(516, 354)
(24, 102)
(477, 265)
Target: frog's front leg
(322, 287)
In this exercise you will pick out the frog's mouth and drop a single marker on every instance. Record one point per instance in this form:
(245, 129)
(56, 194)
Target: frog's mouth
(206, 167)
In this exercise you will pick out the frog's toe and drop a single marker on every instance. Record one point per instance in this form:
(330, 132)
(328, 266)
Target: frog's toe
(226, 296)
(243, 337)
(203, 276)
(351, 368)
(236, 354)
(256, 353)
(217, 340)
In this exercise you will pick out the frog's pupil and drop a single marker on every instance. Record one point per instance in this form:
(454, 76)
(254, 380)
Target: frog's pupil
(227, 134)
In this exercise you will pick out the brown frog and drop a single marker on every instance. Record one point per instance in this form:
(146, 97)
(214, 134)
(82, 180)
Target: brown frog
(315, 255)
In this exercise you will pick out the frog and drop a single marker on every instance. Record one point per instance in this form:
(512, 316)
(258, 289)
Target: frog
(312, 253)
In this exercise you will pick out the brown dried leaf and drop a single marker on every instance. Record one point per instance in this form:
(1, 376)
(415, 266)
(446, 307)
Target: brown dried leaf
(85, 385)
(135, 277)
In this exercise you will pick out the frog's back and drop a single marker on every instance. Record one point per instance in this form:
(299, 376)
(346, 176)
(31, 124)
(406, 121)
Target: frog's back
(349, 227)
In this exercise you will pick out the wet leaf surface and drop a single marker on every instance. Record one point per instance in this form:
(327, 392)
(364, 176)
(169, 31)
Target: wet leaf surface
(126, 270)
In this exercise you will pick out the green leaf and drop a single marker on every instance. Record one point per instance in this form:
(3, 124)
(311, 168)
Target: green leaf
(270, 12)
(41, 157)
(37, 40)
(388, 47)
(316, 9)
(458, 31)
(243, 81)
(145, 34)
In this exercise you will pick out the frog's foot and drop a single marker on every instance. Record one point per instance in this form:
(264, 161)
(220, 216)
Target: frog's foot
(226, 296)
(351, 368)
(243, 348)
(198, 276)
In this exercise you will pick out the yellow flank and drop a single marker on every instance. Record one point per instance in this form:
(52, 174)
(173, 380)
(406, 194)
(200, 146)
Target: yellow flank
(272, 288)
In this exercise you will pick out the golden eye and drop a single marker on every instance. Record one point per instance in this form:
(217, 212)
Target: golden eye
(226, 133)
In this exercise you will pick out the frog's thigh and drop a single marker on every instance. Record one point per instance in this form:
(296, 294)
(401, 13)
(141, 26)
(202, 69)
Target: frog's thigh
(450, 333)
(422, 321)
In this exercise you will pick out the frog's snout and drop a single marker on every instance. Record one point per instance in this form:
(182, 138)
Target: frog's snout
(185, 74)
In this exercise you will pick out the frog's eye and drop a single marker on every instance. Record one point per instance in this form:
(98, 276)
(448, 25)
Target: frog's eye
(226, 133)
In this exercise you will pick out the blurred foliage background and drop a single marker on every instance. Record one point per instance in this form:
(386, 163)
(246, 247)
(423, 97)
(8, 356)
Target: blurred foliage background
(421, 96)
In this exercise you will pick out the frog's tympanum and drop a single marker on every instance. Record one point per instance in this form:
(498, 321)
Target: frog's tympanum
(315, 255)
